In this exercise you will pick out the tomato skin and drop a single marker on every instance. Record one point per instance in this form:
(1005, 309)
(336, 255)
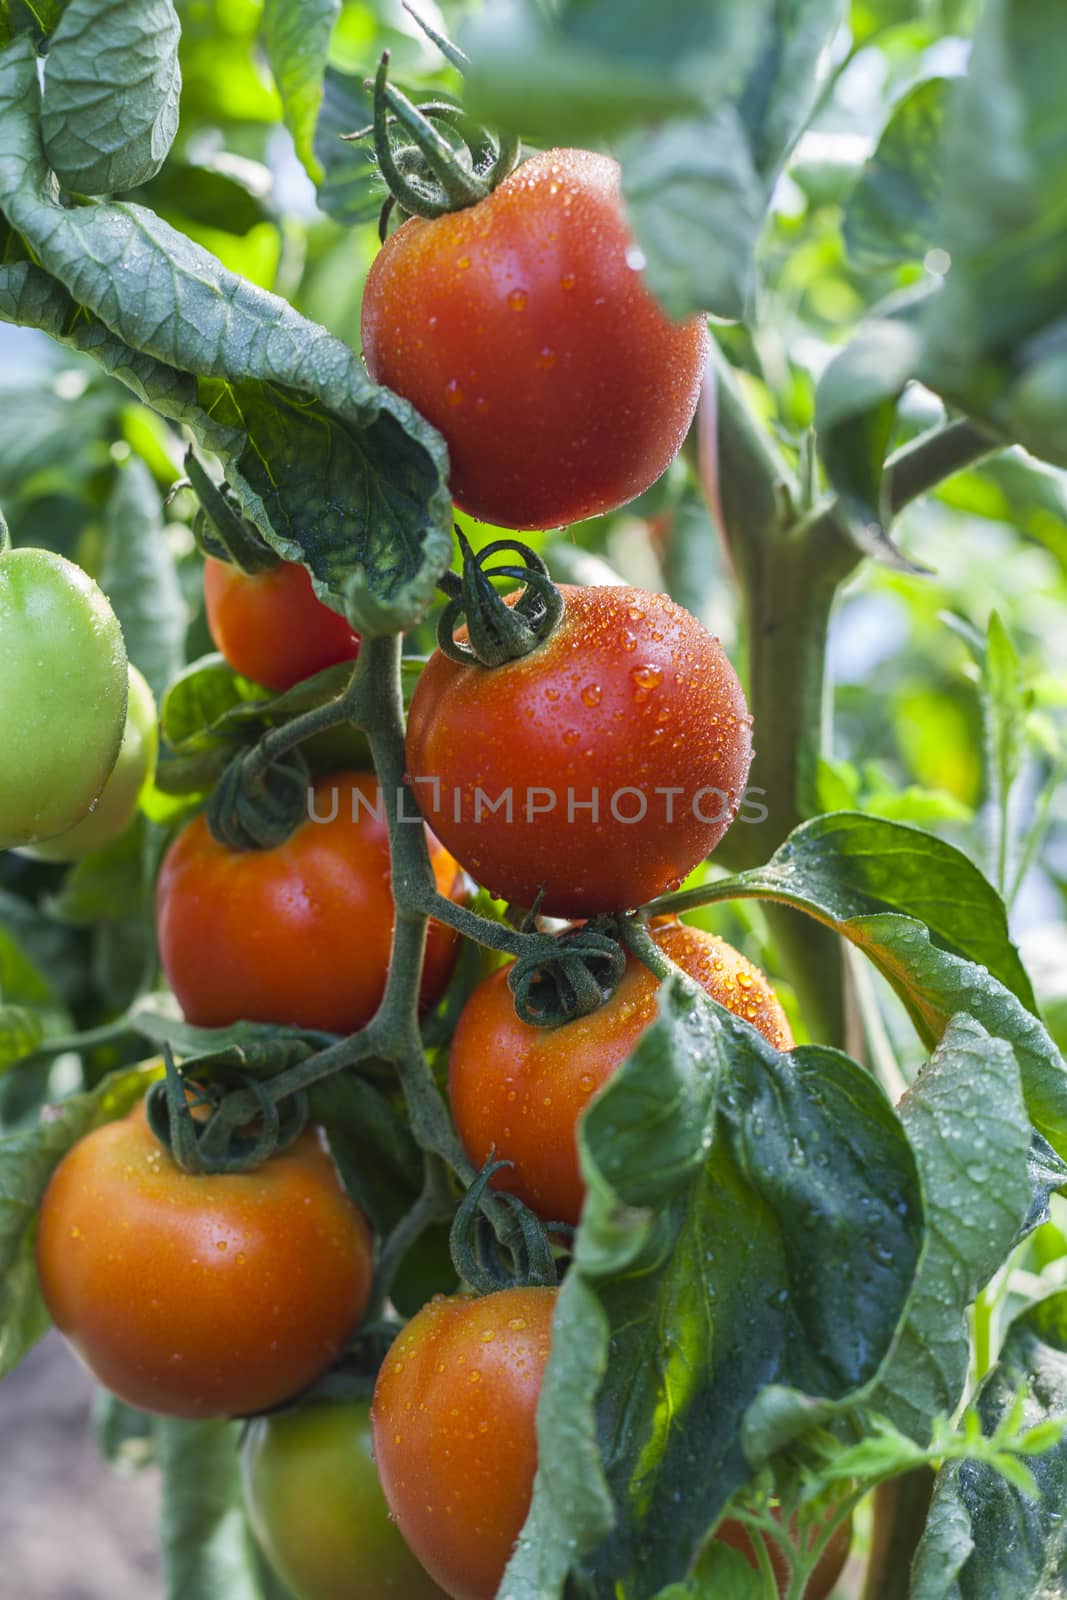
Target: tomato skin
(299, 934)
(315, 1504)
(629, 693)
(62, 694)
(454, 1435)
(828, 1569)
(117, 805)
(271, 626)
(201, 1296)
(523, 330)
(518, 1091)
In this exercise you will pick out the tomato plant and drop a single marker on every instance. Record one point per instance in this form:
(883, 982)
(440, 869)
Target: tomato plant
(454, 1438)
(271, 626)
(521, 328)
(317, 1508)
(63, 665)
(201, 1296)
(134, 765)
(297, 934)
(825, 1573)
(518, 1091)
(594, 772)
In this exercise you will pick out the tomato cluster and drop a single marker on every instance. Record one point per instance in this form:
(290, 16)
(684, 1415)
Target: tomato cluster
(585, 777)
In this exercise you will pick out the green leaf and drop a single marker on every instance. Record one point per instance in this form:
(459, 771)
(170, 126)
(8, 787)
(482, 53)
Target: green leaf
(350, 189)
(848, 865)
(125, 1437)
(985, 1538)
(751, 1219)
(21, 1031)
(721, 1573)
(993, 338)
(598, 66)
(372, 1144)
(26, 1163)
(855, 411)
(968, 1126)
(200, 697)
(891, 217)
(208, 1549)
(296, 34)
(107, 885)
(572, 1507)
(780, 92)
(112, 84)
(139, 577)
(331, 469)
(222, 192)
(696, 206)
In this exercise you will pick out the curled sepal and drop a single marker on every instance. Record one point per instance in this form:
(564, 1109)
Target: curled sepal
(499, 632)
(220, 529)
(242, 1128)
(566, 976)
(256, 806)
(478, 1253)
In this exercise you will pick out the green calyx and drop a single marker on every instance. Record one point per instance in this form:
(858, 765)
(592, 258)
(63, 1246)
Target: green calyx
(256, 806)
(433, 157)
(498, 633)
(229, 1139)
(477, 1253)
(567, 976)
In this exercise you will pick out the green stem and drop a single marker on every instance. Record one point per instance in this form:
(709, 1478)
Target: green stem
(434, 1204)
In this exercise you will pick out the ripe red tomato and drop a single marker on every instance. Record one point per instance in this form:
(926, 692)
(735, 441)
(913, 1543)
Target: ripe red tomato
(522, 329)
(518, 1091)
(827, 1570)
(630, 707)
(317, 1508)
(299, 934)
(271, 626)
(201, 1296)
(454, 1434)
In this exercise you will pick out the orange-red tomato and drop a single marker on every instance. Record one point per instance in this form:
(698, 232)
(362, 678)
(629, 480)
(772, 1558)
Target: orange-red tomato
(827, 1570)
(601, 767)
(454, 1435)
(522, 328)
(298, 934)
(201, 1296)
(518, 1091)
(271, 626)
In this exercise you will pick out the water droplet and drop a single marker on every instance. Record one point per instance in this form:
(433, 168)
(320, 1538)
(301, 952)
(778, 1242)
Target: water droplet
(635, 258)
(517, 1323)
(463, 263)
(592, 694)
(453, 392)
(571, 736)
(587, 1083)
(488, 1335)
(517, 299)
(567, 281)
(646, 677)
(547, 358)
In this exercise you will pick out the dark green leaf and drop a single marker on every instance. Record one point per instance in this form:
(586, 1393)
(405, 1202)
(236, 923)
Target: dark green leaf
(781, 88)
(105, 886)
(112, 84)
(223, 192)
(855, 410)
(138, 575)
(372, 1144)
(848, 865)
(125, 1437)
(696, 206)
(968, 1126)
(351, 189)
(26, 1164)
(986, 1539)
(751, 1219)
(21, 1031)
(892, 214)
(208, 1549)
(296, 34)
(355, 481)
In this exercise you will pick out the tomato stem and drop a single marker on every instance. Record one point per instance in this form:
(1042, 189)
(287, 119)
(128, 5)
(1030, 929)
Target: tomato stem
(497, 632)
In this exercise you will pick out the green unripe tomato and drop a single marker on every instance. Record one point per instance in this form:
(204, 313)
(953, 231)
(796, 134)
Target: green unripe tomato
(62, 694)
(313, 1498)
(117, 806)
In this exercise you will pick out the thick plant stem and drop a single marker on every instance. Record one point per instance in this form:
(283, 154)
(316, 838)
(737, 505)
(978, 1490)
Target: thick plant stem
(900, 1508)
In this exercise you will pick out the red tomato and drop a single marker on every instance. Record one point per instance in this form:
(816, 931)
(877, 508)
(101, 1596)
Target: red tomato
(828, 1568)
(629, 706)
(454, 1435)
(518, 1091)
(299, 934)
(271, 626)
(201, 1296)
(522, 329)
